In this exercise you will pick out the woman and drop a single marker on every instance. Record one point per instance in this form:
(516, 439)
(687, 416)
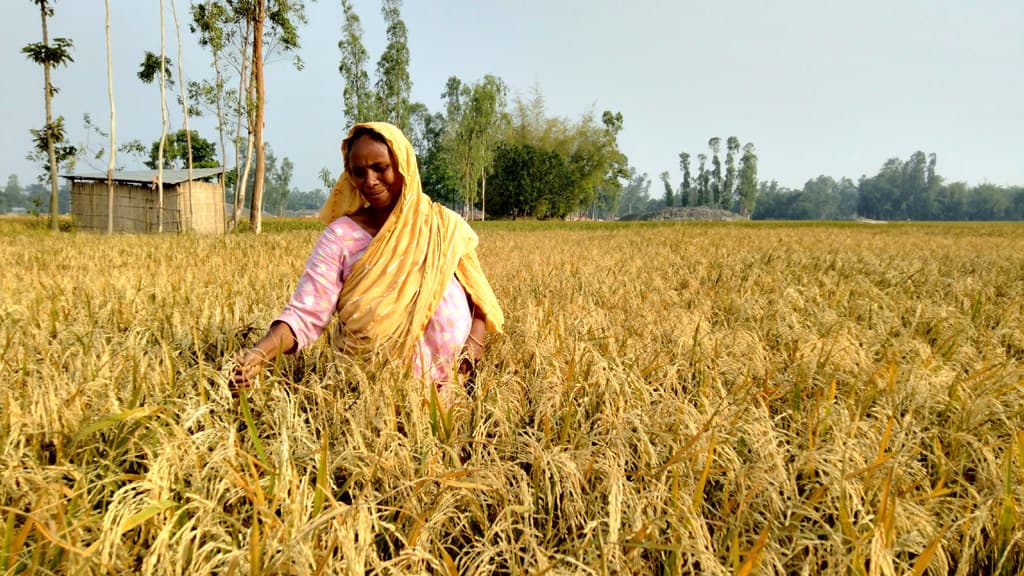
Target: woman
(399, 271)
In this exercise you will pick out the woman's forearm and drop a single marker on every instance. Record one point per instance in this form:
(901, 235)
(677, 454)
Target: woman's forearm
(278, 340)
(475, 341)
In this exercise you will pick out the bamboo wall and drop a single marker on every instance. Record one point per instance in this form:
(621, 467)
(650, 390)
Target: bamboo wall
(206, 210)
(135, 207)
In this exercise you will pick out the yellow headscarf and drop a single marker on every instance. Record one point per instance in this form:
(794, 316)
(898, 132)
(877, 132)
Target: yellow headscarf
(395, 287)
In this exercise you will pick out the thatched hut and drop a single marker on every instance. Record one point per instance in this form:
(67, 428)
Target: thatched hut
(188, 205)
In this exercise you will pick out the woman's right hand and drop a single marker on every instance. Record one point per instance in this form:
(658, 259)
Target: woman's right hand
(248, 363)
(279, 339)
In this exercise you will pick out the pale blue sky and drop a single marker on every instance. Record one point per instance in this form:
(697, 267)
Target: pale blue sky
(820, 87)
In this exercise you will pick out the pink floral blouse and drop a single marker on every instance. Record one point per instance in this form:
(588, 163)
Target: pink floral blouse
(316, 299)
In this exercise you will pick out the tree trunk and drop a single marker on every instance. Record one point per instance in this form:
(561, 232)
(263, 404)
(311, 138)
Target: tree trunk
(243, 92)
(220, 121)
(51, 153)
(483, 196)
(163, 127)
(184, 100)
(113, 128)
(255, 213)
(466, 202)
(244, 177)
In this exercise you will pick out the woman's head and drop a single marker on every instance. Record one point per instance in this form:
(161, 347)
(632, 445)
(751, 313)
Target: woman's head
(373, 168)
(356, 187)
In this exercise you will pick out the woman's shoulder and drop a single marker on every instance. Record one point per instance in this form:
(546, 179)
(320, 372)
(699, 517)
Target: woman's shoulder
(346, 227)
(344, 237)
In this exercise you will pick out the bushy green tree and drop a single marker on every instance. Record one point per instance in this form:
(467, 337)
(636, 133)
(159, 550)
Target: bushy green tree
(175, 155)
(589, 147)
(530, 181)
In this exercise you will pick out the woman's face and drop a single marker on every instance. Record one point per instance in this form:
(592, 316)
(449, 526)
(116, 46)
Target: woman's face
(372, 170)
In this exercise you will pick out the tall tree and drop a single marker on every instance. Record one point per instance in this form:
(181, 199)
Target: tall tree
(256, 210)
(702, 181)
(226, 26)
(487, 109)
(358, 97)
(164, 123)
(920, 200)
(456, 151)
(429, 133)
(528, 121)
(49, 56)
(716, 171)
(636, 193)
(732, 146)
(615, 164)
(475, 114)
(394, 84)
(933, 180)
(245, 111)
(747, 186)
(113, 124)
(208, 21)
(282, 16)
(152, 66)
(12, 195)
(686, 185)
(279, 184)
(669, 200)
(183, 95)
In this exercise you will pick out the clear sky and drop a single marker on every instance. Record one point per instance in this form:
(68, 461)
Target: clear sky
(819, 87)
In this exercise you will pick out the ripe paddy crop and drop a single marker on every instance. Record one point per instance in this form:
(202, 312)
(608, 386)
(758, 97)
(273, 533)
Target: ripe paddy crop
(675, 398)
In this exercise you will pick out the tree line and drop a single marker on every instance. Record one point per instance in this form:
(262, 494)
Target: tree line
(908, 189)
(734, 189)
(33, 198)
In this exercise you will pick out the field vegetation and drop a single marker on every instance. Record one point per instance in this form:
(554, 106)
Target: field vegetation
(727, 398)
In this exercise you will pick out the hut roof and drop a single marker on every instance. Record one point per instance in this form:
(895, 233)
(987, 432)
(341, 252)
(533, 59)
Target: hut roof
(148, 176)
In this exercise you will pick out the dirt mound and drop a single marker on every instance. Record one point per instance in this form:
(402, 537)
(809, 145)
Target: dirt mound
(687, 213)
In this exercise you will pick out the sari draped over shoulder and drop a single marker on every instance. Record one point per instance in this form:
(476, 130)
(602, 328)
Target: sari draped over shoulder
(395, 287)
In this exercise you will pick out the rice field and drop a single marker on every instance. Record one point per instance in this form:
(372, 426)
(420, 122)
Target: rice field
(748, 398)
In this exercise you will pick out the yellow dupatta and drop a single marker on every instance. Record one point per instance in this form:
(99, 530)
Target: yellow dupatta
(394, 289)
